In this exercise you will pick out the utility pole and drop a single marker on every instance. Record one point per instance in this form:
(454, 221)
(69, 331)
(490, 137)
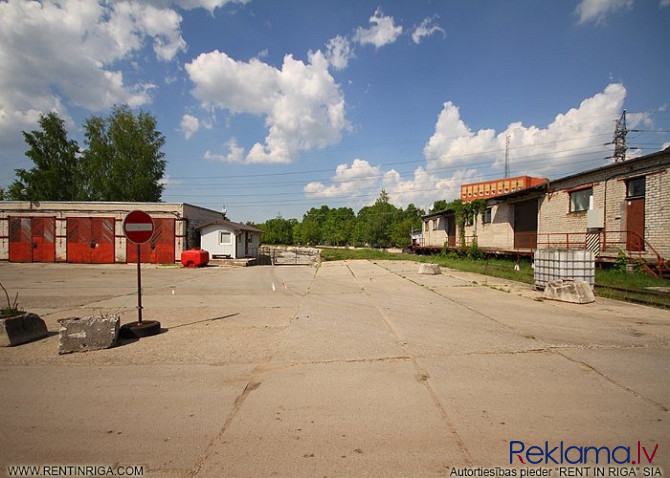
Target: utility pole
(619, 141)
(506, 156)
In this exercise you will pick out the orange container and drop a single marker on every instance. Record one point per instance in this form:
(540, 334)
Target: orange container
(195, 258)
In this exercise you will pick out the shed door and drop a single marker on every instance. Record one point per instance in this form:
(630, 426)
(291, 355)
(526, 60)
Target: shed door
(635, 224)
(32, 239)
(90, 240)
(525, 225)
(160, 249)
(451, 231)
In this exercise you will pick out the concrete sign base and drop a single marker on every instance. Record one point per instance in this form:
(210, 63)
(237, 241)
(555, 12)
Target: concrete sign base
(88, 333)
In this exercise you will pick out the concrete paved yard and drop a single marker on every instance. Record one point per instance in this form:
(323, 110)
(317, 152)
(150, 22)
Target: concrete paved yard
(352, 368)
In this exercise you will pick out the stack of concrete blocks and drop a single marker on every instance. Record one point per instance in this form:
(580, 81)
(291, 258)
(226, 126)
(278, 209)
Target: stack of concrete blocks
(20, 329)
(88, 333)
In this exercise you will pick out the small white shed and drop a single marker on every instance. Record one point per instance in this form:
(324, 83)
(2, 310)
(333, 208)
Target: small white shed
(230, 239)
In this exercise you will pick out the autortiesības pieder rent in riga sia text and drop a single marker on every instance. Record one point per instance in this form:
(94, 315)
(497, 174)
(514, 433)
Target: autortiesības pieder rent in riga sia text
(75, 470)
(568, 461)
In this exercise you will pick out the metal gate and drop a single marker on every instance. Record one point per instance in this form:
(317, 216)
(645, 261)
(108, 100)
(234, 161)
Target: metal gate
(90, 240)
(32, 239)
(160, 249)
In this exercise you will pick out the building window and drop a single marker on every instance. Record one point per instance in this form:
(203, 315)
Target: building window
(225, 238)
(580, 200)
(636, 188)
(487, 215)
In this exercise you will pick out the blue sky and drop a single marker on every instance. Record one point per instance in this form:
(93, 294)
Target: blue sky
(272, 107)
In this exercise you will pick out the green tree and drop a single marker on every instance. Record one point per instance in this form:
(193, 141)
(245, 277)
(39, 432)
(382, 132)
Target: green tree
(338, 226)
(311, 230)
(440, 205)
(278, 231)
(124, 161)
(400, 232)
(56, 175)
(382, 218)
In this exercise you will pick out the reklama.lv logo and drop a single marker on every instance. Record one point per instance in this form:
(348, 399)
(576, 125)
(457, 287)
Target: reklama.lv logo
(579, 455)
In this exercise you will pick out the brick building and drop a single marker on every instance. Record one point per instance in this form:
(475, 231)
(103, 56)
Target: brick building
(621, 206)
(91, 232)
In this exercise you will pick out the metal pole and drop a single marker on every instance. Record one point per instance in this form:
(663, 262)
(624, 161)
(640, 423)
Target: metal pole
(139, 287)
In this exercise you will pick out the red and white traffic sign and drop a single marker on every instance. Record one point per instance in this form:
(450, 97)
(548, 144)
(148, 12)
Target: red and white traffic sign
(138, 227)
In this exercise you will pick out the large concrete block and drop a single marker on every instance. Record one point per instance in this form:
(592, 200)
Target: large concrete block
(429, 269)
(88, 333)
(21, 329)
(566, 290)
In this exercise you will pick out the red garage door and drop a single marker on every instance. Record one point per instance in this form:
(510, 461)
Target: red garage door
(31, 239)
(90, 240)
(160, 249)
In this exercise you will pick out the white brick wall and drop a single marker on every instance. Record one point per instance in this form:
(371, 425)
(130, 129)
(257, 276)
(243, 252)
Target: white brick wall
(499, 233)
(657, 212)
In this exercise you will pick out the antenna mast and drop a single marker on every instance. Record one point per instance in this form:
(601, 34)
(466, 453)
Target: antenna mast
(506, 156)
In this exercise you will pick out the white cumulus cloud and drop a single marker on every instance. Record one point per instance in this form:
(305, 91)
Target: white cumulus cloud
(57, 52)
(426, 28)
(599, 10)
(455, 154)
(382, 31)
(361, 176)
(189, 125)
(339, 52)
(583, 128)
(302, 105)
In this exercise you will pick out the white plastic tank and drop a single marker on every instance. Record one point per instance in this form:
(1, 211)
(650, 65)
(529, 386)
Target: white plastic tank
(574, 264)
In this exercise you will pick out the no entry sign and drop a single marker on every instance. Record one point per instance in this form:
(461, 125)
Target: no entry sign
(138, 227)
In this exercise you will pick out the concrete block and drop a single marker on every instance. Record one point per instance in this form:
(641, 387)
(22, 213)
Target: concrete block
(21, 329)
(88, 333)
(429, 269)
(566, 290)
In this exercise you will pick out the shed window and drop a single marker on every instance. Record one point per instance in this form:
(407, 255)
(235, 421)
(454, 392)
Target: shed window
(580, 200)
(487, 216)
(225, 238)
(636, 188)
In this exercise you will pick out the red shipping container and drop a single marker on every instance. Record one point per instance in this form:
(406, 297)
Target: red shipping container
(195, 258)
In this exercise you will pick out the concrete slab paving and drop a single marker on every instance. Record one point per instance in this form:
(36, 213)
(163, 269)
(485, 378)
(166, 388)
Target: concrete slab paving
(159, 417)
(353, 368)
(360, 418)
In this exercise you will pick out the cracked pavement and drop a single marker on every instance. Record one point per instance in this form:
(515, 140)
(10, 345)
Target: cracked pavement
(352, 368)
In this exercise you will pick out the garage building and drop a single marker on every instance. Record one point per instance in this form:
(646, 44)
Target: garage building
(91, 232)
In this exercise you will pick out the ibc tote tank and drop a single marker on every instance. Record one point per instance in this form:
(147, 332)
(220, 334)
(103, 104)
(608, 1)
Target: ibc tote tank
(575, 264)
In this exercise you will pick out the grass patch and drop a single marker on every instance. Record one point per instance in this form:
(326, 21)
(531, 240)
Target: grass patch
(634, 286)
(624, 280)
(504, 269)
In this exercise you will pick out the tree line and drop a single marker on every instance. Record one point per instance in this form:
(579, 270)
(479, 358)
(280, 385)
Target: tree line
(122, 160)
(380, 225)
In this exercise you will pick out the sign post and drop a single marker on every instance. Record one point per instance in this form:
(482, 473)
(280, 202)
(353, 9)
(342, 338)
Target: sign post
(138, 227)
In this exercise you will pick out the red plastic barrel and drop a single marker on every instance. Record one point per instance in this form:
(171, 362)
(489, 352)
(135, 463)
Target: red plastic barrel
(195, 258)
